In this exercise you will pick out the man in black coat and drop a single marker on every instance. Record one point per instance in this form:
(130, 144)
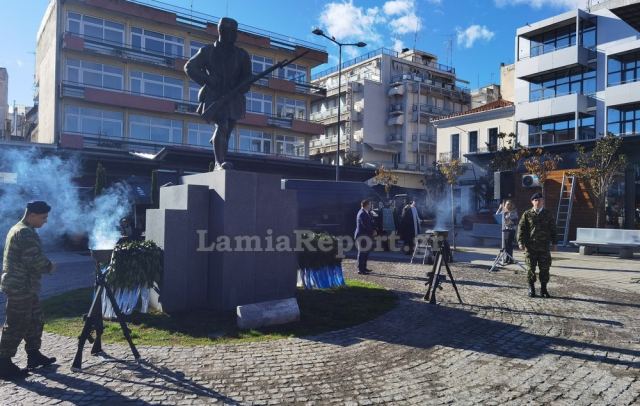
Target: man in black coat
(364, 236)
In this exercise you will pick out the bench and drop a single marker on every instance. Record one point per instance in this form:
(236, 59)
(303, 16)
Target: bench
(624, 242)
(481, 232)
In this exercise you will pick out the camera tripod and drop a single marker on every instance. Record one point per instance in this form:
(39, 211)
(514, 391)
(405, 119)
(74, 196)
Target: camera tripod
(93, 321)
(434, 279)
(503, 256)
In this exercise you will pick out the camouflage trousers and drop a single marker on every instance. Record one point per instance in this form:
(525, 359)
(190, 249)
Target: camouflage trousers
(541, 259)
(23, 321)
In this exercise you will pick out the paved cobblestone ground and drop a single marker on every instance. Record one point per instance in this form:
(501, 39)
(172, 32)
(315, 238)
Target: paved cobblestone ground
(500, 347)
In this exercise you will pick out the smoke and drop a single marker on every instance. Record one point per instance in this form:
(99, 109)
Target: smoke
(50, 178)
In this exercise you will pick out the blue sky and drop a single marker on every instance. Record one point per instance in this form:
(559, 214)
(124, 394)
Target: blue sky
(474, 36)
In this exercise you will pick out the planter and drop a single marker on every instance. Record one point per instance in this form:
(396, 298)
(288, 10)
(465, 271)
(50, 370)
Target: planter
(325, 277)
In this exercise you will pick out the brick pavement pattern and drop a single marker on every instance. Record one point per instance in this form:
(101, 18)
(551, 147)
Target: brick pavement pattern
(500, 347)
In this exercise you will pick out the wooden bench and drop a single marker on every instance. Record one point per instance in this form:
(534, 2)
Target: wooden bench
(590, 240)
(482, 232)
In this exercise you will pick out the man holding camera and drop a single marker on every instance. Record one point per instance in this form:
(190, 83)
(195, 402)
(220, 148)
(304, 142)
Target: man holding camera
(536, 231)
(22, 267)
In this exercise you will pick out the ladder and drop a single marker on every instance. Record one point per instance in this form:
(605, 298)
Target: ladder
(565, 205)
(422, 249)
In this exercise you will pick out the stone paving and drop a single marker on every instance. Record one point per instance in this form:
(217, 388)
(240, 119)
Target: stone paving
(499, 347)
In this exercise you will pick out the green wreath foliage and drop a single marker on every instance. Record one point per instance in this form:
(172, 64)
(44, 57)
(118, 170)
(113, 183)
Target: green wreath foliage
(136, 263)
(316, 255)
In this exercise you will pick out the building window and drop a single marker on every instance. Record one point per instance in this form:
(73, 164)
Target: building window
(297, 73)
(199, 134)
(291, 108)
(151, 84)
(194, 89)
(85, 120)
(623, 69)
(260, 63)
(255, 141)
(156, 42)
(473, 141)
(259, 103)
(558, 130)
(493, 139)
(155, 129)
(562, 38)
(556, 85)
(96, 28)
(455, 146)
(623, 120)
(423, 159)
(94, 74)
(587, 128)
(290, 145)
(194, 47)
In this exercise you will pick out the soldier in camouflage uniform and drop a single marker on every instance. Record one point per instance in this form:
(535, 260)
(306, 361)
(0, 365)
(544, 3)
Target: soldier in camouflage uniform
(22, 266)
(536, 231)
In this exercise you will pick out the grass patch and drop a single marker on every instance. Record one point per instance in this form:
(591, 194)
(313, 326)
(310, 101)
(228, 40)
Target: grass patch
(320, 311)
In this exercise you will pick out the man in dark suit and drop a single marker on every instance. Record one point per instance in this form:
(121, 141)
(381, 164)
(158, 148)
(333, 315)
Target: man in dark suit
(364, 236)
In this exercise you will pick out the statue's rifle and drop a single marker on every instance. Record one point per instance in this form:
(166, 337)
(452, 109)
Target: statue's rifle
(210, 112)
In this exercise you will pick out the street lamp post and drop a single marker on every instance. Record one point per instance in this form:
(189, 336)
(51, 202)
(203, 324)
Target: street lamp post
(321, 33)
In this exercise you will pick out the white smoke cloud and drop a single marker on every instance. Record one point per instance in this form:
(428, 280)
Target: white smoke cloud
(473, 33)
(561, 4)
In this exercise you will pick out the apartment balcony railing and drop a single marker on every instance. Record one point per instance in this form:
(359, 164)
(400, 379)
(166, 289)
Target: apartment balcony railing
(327, 142)
(483, 149)
(429, 109)
(447, 156)
(433, 65)
(424, 138)
(354, 61)
(396, 108)
(395, 138)
(126, 98)
(326, 114)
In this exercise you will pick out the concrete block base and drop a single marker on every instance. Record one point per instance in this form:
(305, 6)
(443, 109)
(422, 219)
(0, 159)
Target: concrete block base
(585, 250)
(268, 313)
(626, 253)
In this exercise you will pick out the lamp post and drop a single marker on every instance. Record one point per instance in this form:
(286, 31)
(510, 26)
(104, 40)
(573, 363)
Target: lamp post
(321, 33)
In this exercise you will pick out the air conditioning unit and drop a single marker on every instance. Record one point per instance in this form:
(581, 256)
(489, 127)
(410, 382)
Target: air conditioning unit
(530, 181)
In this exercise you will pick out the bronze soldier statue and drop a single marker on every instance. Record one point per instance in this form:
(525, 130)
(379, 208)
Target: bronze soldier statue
(536, 231)
(220, 68)
(22, 267)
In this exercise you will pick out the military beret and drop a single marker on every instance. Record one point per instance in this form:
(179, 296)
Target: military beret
(537, 195)
(38, 207)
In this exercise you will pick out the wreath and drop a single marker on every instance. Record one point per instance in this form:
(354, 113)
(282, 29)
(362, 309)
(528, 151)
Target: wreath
(136, 263)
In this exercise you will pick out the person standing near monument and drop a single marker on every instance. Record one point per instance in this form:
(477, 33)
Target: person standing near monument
(536, 232)
(507, 211)
(219, 68)
(22, 267)
(364, 236)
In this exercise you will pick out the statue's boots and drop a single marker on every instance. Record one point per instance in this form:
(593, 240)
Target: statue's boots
(10, 371)
(35, 359)
(532, 289)
(226, 165)
(543, 291)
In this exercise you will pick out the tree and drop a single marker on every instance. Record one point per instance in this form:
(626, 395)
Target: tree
(101, 180)
(507, 157)
(451, 170)
(155, 189)
(540, 163)
(385, 178)
(599, 168)
(352, 158)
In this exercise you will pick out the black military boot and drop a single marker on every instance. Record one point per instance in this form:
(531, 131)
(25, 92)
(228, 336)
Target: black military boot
(10, 371)
(543, 291)
(35, 359)
(532, 289)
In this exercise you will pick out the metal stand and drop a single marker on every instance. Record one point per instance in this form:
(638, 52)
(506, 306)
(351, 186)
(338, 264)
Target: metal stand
(503, 256)
(93, 322)
(434, 279)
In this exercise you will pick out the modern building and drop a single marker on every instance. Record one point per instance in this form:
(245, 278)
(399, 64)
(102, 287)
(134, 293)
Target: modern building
(109, 75)
(474, 131)
(387, 100)
(4, 104)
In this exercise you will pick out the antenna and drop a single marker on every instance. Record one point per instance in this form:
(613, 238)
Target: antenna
(415, 34)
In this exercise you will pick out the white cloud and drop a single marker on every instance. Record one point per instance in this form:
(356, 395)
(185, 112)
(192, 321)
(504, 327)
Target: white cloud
(19, 63)
(405, 24)
(398, 45)
(396, 7)
(473, 33)
(434, 1)
(563, 4)
(345, 21)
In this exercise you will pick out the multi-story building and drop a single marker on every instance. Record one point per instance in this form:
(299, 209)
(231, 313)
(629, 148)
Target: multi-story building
(577, 77)
(387, 101)
(4, 104)
(109, 75)
(485, 95)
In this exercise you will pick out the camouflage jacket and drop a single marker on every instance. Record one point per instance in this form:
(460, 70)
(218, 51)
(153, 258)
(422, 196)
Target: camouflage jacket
(23, 261)
(537, 230)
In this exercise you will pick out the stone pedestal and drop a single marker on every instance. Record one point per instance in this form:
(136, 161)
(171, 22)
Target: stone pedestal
(245, 209)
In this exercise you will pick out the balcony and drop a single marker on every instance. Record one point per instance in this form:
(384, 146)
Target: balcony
(327, 145)
(426, 138)
(395, 139)
(623, 93)
(396, 108)
(428, 109)
(396, 91)
(563, 58)
(126, 99)
(555, 106)
(299, 125)
(396, 120)
(447, 156)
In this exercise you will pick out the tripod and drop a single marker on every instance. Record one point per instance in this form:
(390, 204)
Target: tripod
(443, 253)
(93, 321)
(503, 256)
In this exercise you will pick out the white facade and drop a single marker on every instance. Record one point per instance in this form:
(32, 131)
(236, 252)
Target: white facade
(577, 78)
(387, 103)
(473, 132)
(4, 97)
